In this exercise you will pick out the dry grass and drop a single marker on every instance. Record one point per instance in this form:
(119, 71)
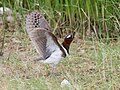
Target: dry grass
(91, 66)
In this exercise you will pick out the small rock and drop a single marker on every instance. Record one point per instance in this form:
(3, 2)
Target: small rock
(66, 84)
(7, 10)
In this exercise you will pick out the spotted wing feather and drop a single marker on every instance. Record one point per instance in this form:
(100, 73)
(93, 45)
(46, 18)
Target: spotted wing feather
(36, 20)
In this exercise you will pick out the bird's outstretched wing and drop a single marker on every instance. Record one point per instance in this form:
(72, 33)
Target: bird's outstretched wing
(36, 20)
(39, 41)
(45, 42)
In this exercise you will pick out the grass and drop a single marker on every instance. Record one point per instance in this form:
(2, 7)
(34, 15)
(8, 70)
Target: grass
(100, 17)
(92, 65)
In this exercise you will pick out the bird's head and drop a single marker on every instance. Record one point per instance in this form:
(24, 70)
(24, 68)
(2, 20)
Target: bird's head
(67, 41)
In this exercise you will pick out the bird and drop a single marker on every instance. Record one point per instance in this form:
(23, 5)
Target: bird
(49, 50)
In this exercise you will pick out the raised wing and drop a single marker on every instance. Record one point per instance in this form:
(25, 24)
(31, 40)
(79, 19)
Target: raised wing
(36, 20)
(45, 42)
(39, 40)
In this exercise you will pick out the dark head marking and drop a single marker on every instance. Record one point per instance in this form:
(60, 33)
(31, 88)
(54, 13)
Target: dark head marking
(67, 41)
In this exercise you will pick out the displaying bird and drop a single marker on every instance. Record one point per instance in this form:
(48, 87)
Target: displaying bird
(46, 44)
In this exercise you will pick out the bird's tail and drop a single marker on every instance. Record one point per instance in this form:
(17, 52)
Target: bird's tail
(36, 20)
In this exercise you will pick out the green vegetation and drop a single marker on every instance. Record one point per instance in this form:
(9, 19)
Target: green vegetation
(94, 63)
(88, 17)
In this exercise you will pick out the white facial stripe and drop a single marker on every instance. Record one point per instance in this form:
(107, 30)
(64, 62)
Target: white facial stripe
(68, 36)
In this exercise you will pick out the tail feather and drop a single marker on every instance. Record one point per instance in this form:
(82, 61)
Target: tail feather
(36, 20)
